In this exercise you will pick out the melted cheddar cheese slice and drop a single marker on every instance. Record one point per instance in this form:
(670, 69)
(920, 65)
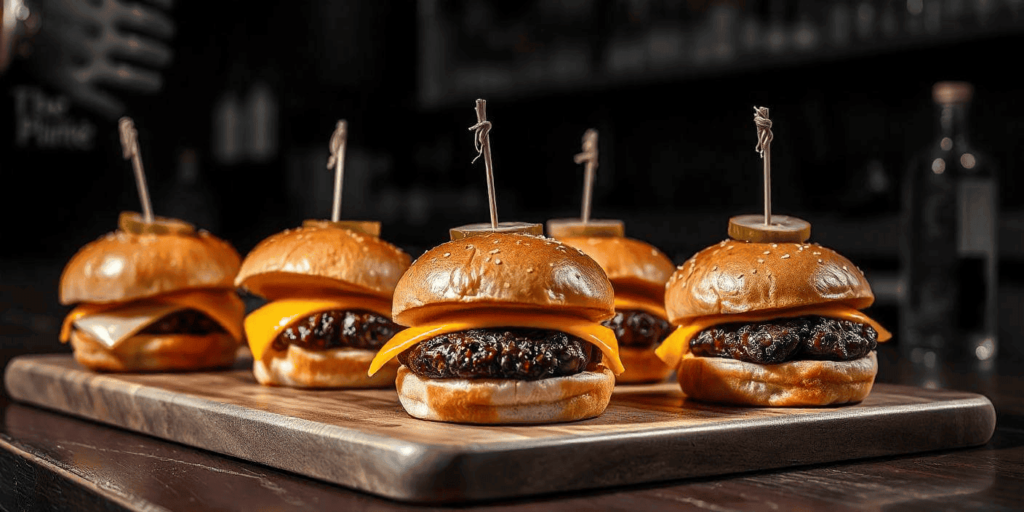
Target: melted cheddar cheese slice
(635, 302)
(591, 332)
(265, 324)
(223, 306)
(678, 343)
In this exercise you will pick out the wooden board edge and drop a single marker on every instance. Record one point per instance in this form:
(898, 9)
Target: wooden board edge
(25, 378)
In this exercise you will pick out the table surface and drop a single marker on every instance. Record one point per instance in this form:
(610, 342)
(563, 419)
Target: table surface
(51, 460)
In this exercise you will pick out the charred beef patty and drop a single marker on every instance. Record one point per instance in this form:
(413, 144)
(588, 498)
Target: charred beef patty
(787, 339)
(513, 353)
(638, 329)
(186, 321)
(337, 329)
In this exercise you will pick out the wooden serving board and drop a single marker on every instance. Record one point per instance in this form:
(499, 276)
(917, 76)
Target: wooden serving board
(365, 440)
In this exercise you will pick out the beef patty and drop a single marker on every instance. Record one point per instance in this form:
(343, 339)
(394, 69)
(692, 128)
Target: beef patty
(186, 321)
(502, 353)
(638, 329)
(337, 329)
(787, 339)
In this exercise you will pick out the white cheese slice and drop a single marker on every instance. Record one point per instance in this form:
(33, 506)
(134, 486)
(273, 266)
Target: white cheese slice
(114, 326)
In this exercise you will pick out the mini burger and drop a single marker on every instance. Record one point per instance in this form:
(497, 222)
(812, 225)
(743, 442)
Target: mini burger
(771, 324)
(329, 286)
(504, 327)
(638, 272)
(153, 296)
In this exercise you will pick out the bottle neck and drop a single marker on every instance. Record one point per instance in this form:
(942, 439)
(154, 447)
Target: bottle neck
(953, 122)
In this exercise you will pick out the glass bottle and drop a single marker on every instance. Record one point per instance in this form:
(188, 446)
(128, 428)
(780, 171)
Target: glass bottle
(949, 246)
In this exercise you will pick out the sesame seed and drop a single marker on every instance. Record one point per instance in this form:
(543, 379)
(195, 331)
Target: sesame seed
(496, 251)
(470, 246)
(487, 258)
(729, 247)
(654, 252)
(529, 270)
(816, 253)
(447, 254)
(496, 242)
(754, 271)
(819, 260)
(759, 260)
(767, 252)
(507, 285)
(846, 269)
(714, 268)
(551, 264)
(785, 256)
(497, 262)
(774, 246)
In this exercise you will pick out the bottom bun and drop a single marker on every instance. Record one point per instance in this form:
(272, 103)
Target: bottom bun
(642, 366)
(501, 401)
(156, 352)
(334, 368)
(795, 383)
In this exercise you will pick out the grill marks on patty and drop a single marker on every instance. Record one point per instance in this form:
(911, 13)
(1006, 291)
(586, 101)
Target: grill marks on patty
(638, 329)
(338, 329)
(777, 341)
(502, 353)
(186, 321)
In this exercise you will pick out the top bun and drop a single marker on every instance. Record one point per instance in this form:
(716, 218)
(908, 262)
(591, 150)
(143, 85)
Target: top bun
(738, 277)
(322, 257)
(631, 265)
(122, 266)
(502, 270)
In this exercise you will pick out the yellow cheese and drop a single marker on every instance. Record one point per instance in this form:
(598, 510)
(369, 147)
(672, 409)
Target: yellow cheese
(588, 331)
(266, 323)
(678, 343)
(636, 302)
(223, 306)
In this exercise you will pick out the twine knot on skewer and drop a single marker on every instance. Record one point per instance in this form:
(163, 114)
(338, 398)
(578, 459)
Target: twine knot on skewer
(337, 139)
(764, 130)
(589, 153)
(129, 137)
(480, 140)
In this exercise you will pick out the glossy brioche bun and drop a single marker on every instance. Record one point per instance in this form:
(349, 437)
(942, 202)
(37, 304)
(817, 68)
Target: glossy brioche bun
(793, 383)
(156, 352)
(642, 366)
(333, 368)
(322, 256)
(503, 270)
(504, 401)
(122, 266)
(737, 277)
(630, 264)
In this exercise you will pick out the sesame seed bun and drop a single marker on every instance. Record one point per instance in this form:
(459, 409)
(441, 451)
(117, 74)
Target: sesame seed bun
(789, 384)
(333, 368)
(502, 401)
(502, 270)
(631, 265)
(322, 257)
(156, 352)
(738, 277)
(121, 267)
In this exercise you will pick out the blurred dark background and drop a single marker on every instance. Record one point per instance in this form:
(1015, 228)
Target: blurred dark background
(235, 140)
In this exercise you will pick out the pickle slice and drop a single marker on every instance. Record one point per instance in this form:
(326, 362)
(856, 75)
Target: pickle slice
(561, 228)
(751, 228)
(131, 222)
(366, 227)
(484, 228)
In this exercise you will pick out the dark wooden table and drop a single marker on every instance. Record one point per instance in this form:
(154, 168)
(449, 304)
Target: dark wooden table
(52, 461)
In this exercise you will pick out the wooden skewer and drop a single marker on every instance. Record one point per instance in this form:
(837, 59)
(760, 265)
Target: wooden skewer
(764, 146)
(482, 142)
(130, 149)
(588, 156)
(339, 140)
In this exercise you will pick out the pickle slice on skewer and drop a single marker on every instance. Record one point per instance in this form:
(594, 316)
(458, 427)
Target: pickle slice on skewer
(131, 222)
(561, 228)
(751, 228)
(366, 227)
(484, 228)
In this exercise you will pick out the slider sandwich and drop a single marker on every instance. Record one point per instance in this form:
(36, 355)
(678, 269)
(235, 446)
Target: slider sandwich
(504, 327)
(153, 296)
(329, 287)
